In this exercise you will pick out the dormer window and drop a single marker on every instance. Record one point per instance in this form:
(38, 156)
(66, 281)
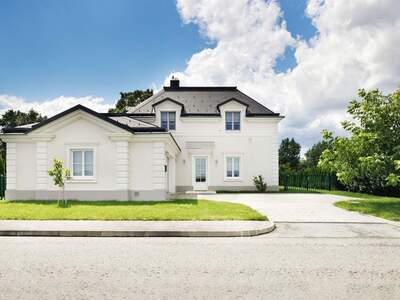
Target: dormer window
(168, 120)
(232, 120)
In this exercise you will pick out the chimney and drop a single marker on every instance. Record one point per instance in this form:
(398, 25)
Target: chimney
(174, 82)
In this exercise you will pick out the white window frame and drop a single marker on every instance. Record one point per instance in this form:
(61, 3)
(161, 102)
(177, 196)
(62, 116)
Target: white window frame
(168, 112)
(83, 177)
(233, 120)
(239, 178)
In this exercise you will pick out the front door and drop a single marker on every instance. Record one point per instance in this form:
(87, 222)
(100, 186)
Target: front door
(200, 173)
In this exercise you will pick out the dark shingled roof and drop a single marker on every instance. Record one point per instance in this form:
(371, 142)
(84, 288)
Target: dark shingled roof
(125, 122)
(202, 101)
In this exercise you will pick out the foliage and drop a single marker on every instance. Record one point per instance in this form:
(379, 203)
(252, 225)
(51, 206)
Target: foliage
(314, 153)
(260, 183)
(289, 154)
(12, 118)
(368, 160)
(130, 99)
(184, 210)
(60, 175)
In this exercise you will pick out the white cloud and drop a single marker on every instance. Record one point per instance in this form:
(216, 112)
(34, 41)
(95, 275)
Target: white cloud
(53, 106)
(356, 46)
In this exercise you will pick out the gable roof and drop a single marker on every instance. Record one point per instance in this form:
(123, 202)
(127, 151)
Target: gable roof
(202, 101)
(127, 123)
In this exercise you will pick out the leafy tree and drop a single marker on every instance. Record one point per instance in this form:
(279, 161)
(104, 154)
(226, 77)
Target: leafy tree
(314, 153)
(289, 154)
(60, 175)
(12, 118)
(130, 99)
(369, 159)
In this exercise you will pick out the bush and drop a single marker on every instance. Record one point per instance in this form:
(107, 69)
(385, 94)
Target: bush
(260, 183)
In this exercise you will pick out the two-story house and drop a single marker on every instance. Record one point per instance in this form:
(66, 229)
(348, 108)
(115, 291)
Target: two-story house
(180, 139)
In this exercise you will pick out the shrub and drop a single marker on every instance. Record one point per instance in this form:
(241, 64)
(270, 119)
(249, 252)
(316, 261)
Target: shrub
(260, 183)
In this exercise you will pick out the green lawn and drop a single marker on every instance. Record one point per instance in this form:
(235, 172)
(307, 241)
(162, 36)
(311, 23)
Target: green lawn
(383, 207)
(113, 210)
(379, 206)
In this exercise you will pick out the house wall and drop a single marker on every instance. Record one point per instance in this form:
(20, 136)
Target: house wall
(125, 169)
(256, 144)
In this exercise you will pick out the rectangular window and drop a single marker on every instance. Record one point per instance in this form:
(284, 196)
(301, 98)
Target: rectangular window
(82, 163)
(168, 120)
(232, 120)
(233, 167)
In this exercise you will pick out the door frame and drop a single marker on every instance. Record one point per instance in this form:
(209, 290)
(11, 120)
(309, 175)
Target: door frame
(206, 183)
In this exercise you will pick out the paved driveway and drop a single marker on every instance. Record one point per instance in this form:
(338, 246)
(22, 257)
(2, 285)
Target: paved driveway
(297, 207)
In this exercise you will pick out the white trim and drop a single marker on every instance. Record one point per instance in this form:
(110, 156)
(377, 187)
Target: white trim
(82, 147)
(233, 155)
(207, 182)
(168, 111)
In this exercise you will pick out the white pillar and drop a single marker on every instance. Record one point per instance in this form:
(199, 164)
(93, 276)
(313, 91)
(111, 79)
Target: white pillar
(11, 162)
(122, 165)
(42, 176)
(171, 175)
(159, 162)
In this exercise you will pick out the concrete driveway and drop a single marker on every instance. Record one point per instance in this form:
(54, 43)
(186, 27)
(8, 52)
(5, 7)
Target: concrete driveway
(297, 207)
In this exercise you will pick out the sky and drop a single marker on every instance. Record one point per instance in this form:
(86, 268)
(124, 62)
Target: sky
(303, 58)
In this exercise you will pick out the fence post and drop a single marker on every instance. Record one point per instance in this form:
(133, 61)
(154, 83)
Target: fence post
(286, 182)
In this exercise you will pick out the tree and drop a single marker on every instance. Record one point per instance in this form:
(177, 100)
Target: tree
(12, 118)
(59, 175)
(369, 159)
(130, 99)
(313, 154)
(289, 154)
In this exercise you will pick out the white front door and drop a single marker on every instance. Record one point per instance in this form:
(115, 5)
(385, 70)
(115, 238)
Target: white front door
(200, 173)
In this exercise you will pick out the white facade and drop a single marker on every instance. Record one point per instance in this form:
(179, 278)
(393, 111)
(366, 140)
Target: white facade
(255, 144)
(108, 161)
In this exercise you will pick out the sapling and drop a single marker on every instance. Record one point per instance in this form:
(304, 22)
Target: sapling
(60, 175)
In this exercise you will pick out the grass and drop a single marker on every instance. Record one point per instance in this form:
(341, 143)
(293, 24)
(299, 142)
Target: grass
(379, 206)
(182, 210)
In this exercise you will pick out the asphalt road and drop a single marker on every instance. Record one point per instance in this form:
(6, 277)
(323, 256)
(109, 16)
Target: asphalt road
(297, 261)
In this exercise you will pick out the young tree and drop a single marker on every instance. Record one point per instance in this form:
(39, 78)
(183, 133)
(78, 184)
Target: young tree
(130, 99)
(60, 175)
(289, 154)
(368, 160)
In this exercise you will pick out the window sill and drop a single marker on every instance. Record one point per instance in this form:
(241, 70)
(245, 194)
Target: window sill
(233, 179)
(82, 180)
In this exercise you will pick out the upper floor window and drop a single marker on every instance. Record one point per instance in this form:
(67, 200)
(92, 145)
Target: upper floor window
(82, 163)
(232, 120)
(168, 120)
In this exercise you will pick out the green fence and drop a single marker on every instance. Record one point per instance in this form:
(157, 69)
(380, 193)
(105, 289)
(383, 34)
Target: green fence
(308, 182)
(2, 186)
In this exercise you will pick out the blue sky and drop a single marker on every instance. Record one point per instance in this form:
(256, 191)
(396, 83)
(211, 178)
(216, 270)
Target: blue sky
(97, 47)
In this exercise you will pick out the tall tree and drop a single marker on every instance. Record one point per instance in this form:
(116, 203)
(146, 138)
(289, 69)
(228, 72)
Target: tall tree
(314, 153)
(130, 99)
(12, 118)
(369, 159)
(289, 154)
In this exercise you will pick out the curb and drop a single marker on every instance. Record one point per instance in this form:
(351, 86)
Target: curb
(269, 227)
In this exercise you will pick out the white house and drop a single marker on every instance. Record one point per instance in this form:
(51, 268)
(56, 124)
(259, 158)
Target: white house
(180, 139)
